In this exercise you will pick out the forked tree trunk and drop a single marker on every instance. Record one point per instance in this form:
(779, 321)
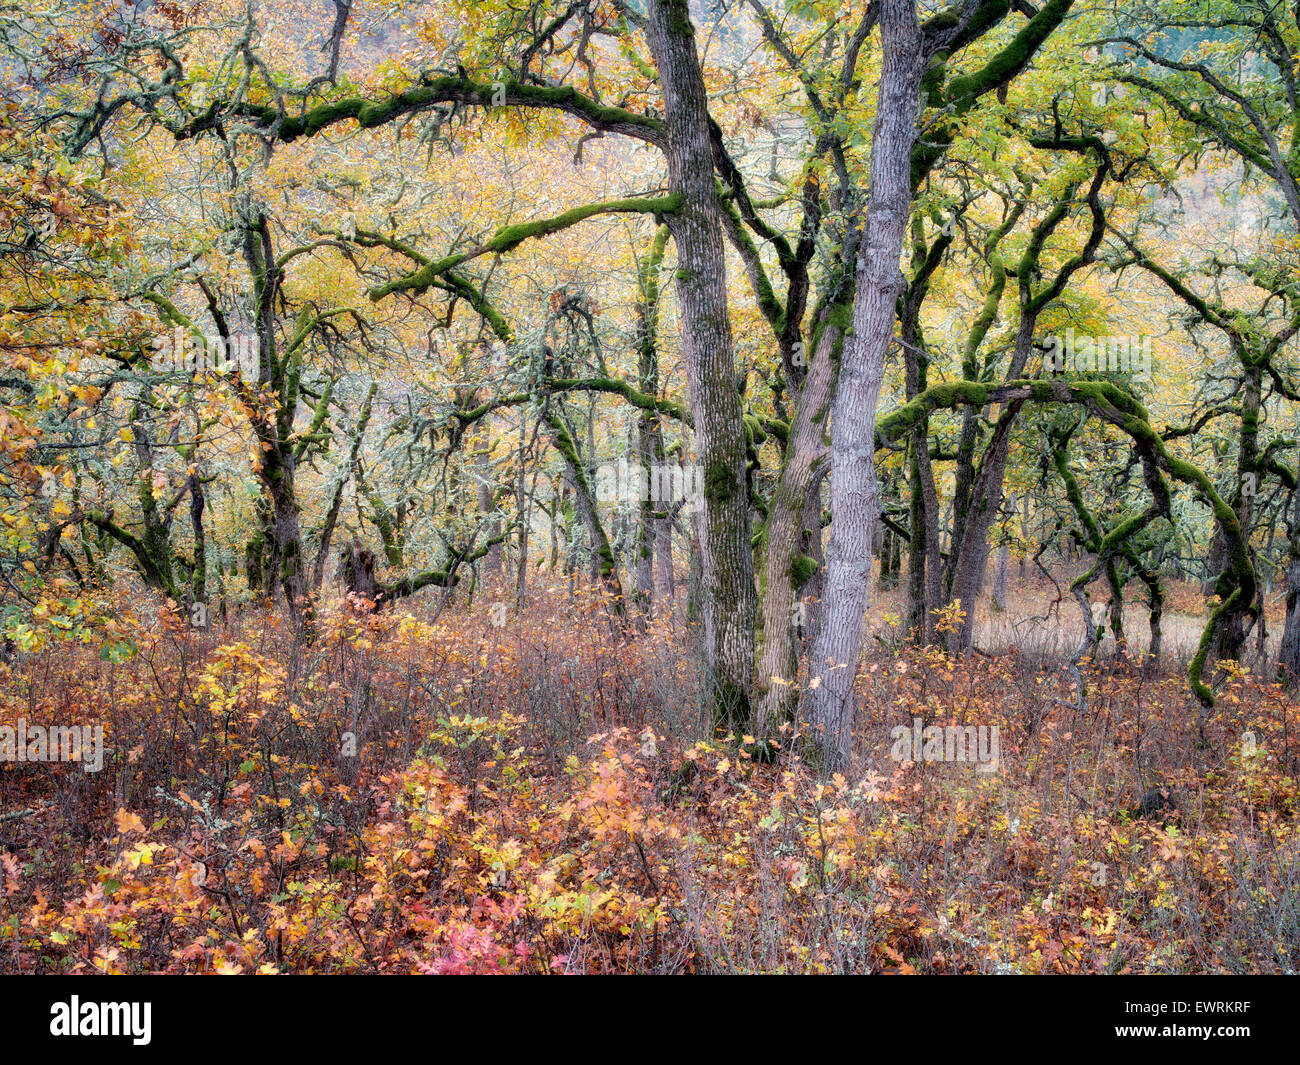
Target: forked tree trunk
(778, 661)
(278, 460)
(604, 568)
(346, 473)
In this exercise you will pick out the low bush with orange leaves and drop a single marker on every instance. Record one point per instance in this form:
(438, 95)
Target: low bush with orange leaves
(404, 796)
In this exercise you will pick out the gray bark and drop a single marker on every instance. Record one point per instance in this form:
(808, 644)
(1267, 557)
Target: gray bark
(855, 504)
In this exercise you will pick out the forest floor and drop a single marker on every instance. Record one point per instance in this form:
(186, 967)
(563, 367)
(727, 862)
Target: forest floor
(408, 795)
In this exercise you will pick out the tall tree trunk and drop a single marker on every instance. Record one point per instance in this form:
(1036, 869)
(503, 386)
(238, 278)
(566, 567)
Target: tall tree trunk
(277, 461)
(855, 503)
(726, 559)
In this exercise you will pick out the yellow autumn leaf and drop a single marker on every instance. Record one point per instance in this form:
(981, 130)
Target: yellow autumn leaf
(128, 822)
